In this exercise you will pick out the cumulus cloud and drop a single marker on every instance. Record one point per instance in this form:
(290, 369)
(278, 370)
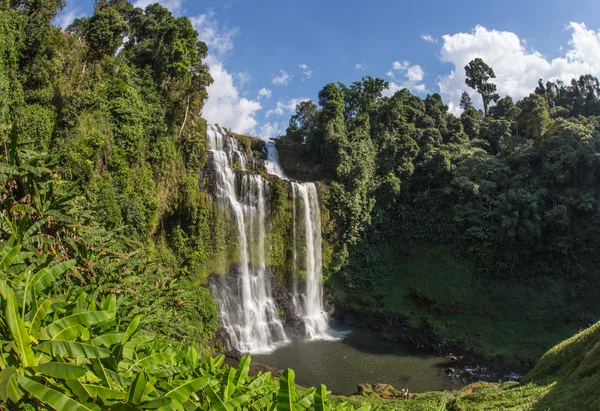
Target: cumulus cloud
(306, 71)
(403, 75)
(428, 38)
(224, 105)
(272, 130)
(517, 68)
(264, 92)
(286, 106)
(281, 79)
(359, 66)
(243, 78)
(397, 65)
(415, 73)
(173, 5)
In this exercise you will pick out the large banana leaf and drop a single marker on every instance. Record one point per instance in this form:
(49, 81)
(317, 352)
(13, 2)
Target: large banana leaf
(192, 357)
(18, 331)
(78, 389)
(8, 258)
(182, 392)
(48, 275)
(306, 401)
(159, 403)
(53, 398)
(215, 400)
(109, 339)
(41, 312)
(118, 378)
(263, 403)
(9, 386)
(85, 319)
(320, 396)
(60, 370)
(136, 390)
(242, 371)
(104, 392)
(73, 349)
(151, 361)
(286, 397)
(261, 385)
(71, 333)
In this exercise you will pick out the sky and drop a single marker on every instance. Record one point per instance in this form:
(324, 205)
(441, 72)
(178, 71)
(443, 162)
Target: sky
(266, 56)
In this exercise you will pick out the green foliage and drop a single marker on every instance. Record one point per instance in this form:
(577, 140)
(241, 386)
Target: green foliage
(478, 75)
(67, 349)
(104, 32)
(514, 193)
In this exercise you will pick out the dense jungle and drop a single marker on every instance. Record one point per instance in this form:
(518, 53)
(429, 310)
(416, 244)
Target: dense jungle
(471, 235)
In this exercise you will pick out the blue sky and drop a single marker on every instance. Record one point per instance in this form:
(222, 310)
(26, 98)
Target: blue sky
(268, 55)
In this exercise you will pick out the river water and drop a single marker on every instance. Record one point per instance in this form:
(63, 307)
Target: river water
(359, 357)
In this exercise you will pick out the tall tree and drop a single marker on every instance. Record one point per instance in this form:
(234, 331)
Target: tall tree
(478, 76)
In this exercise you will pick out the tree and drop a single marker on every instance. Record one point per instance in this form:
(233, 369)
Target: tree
(304, 122)
(534, 118)
(471, 121)
(478, 76)
(104, 33)
(465, 100)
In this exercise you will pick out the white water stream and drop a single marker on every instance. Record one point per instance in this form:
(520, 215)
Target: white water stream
(308, 304)
(247, 311)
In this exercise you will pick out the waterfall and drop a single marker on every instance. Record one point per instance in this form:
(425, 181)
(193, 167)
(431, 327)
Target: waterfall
(307, 305)
(309, 214)
(247, 311)
(272, 165)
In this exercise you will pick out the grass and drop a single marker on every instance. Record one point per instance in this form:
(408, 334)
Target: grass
(507, 318)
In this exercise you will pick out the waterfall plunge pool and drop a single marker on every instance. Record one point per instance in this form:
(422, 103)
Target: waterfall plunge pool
(359, 357)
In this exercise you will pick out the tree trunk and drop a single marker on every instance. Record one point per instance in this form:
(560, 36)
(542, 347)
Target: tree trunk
(187, 109)
(82, 76)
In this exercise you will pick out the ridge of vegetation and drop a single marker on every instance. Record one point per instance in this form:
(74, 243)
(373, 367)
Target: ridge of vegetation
(508, 196)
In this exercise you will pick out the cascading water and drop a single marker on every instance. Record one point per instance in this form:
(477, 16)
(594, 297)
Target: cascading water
(315, 318)
(247, 311)
(307, 235)
(272, 165)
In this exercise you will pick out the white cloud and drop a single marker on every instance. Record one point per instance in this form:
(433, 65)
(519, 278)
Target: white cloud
(359, 66)
(67, 15)
(517, 68)
(428, 38)
(243, 78)
(306, 71)
(224, 105)
(271, 130)
(281, 79)
(173, 5)
(264, 92)
(396, 65)
(219, 39)
(284, 106)
(404, 75)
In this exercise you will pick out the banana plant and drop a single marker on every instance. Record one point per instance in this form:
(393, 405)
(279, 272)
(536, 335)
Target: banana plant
(73, 345)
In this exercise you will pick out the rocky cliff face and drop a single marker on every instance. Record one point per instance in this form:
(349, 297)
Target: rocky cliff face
(265, 244)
